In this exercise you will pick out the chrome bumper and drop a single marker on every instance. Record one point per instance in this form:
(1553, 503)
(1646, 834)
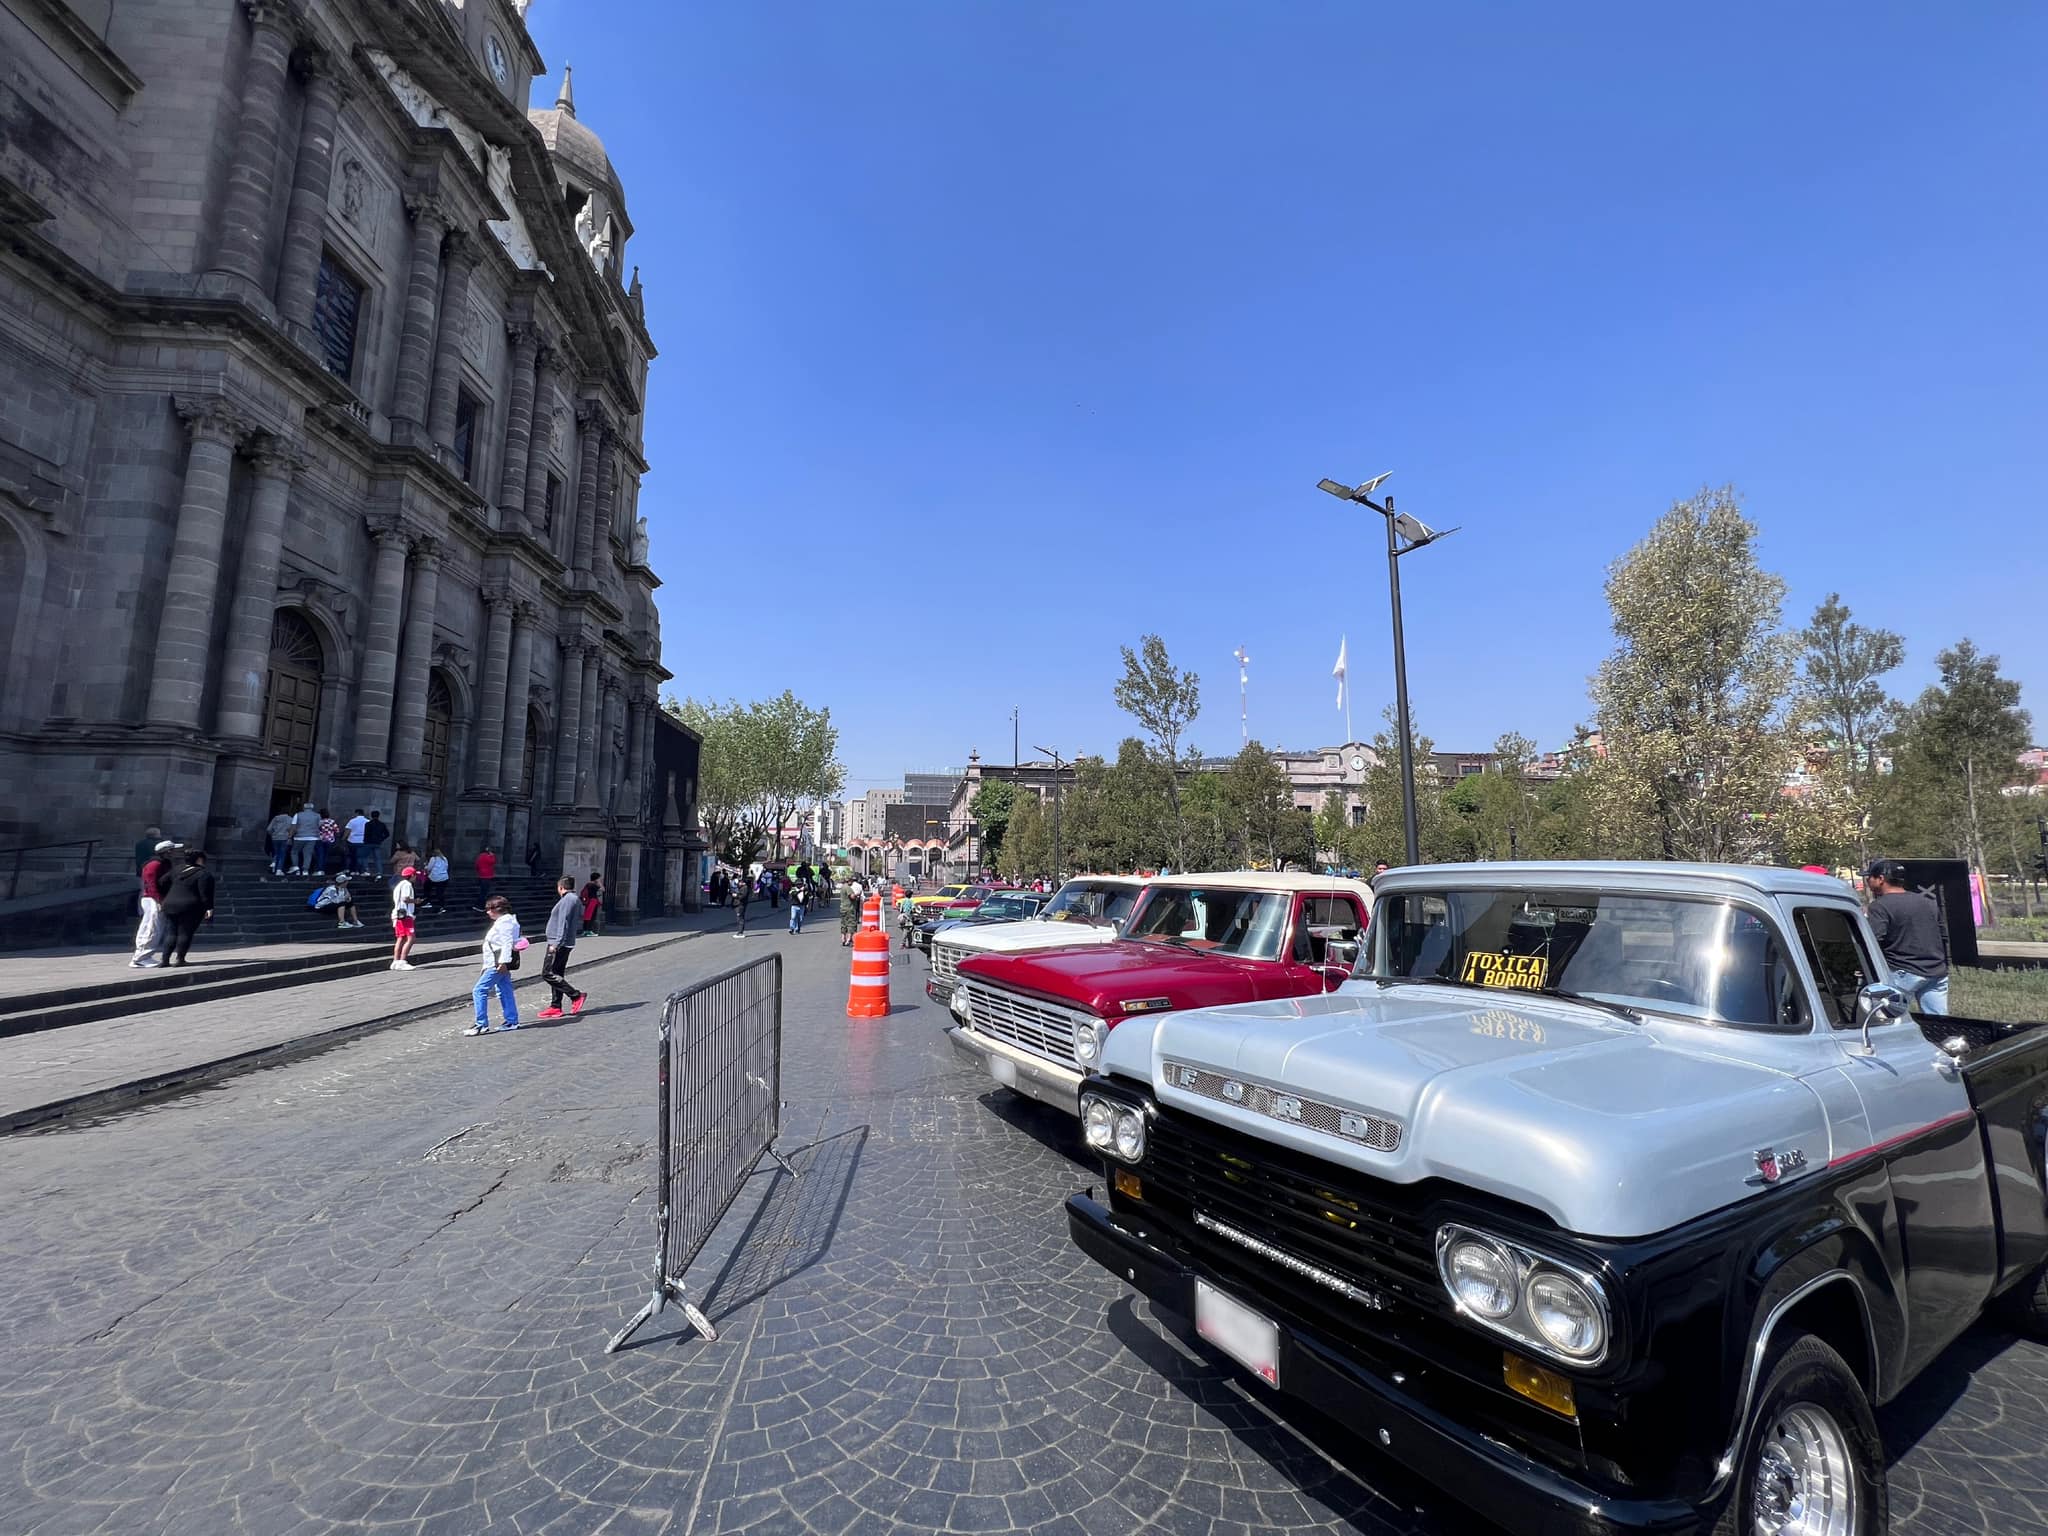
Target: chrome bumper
(1032, 1076)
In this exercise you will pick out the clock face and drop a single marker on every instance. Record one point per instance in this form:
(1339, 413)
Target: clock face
(1358, 765)
(494, 55)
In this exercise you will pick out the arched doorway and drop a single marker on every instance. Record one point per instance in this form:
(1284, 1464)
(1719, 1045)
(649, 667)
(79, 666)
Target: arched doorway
(291, 707)
(434, 754)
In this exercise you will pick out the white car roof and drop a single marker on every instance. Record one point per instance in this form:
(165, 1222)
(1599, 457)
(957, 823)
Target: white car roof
(1269, 880)
(1620, 874)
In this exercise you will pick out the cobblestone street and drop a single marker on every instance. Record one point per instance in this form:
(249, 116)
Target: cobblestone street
(370, 1290)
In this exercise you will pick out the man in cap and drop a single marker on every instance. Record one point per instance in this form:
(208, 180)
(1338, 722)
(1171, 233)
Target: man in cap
(152, 934)
(1908, 929)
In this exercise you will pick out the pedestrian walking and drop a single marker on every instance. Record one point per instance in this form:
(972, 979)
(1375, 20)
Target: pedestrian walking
(563, 921)
(486, 877)
(330, 842)
(593, 904)
(773, 884)
(146, 845)
(188, 902)
(437, 881)
(1908, 928)
(403, 854)
(502, 944)
(742, 892)
(375, 836)
(151, 931)
(404, 916)
(279, 834)
(355, 828)
(849, 911)
(799, 894)
(336, 897)
(305, 839)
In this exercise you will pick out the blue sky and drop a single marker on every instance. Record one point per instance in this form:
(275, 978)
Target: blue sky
(1024, 328)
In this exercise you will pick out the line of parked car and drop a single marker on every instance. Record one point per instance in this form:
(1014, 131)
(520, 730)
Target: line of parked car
(1610, 1197)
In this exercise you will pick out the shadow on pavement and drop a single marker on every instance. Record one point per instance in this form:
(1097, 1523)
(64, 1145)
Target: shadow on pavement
(1053, 1129)
(1326, 1461)
(793, 1226)
(1908, 1418)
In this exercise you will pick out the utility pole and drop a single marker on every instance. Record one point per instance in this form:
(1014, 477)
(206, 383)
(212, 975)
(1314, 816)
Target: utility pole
(1405, 534)
(1057, 849)
(1244, 727)
(1015, 757)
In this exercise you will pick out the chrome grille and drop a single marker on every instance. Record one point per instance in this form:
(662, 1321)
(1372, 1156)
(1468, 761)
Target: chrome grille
(1377, 1132)
(1042, 1028)
(946, 960)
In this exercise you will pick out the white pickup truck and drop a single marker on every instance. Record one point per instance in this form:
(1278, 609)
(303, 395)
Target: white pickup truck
(1088, 909)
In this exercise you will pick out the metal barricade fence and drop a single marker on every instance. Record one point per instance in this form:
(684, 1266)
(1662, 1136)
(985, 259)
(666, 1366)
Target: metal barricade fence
(718, 1110)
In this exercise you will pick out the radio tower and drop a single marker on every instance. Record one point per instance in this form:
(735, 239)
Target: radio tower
(1244, 729)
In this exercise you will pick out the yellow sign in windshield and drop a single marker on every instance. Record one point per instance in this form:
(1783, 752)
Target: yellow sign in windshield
(1523, 973)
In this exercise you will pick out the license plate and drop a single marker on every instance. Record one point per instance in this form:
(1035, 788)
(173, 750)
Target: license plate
(1003, 1070)
(1248, 1338)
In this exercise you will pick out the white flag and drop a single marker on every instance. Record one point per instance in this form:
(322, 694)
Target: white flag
(1341, 671)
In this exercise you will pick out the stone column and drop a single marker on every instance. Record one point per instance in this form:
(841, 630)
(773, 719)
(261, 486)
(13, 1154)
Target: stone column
(490, 718)
(422, 290)
(298, 269)
(245, 660)
(409, 708)
(518, 426)
(380, 646)
(601, 560)
(518, 680)
(458, 260)
(586, 742)
(590, 450)
(546, 365)
(245, 211)
(570, 723)
(184, 640)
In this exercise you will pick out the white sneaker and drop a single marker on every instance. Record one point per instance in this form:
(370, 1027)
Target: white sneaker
(405, 965)
(400, 965)
(478, 1029)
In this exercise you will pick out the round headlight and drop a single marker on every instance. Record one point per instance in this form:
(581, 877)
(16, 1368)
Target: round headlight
(1097, 1122)
(1130, 1135)
(1482, 1278)
(1567, 1316)
(963, 1010)
(1087, 1043)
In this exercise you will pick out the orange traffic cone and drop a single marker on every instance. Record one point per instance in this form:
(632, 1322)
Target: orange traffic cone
(867, 994)
(871, 915)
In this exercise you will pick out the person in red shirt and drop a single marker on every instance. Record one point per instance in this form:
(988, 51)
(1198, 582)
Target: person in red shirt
(486, 876)
(152, 935)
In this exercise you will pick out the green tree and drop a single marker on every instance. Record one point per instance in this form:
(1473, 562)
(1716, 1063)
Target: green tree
(1692, 702)
(1957, 747)
(1842, 704)
(1027, 840)
(1332, 821)
(1492, 815)
(1382, 836)
(1206, 813)
(991, 809)
(758, 763)
(1260, 802)
(1164, 702)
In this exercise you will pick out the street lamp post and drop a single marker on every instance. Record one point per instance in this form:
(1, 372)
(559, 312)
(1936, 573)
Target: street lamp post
(1058, 763)
(1404, 535)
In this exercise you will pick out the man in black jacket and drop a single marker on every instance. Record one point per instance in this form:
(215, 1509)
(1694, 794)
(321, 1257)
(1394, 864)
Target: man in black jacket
(1908, 929)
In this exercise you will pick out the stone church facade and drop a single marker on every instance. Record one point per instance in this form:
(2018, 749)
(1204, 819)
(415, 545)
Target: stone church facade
(321, 390)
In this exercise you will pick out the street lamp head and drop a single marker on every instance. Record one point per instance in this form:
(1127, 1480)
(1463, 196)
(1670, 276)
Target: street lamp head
(1417, 533)
(1341, 492)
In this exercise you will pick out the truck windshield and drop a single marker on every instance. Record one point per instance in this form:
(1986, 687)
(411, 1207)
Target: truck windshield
(1084, 901)
(1707, 961)
(1248, 924)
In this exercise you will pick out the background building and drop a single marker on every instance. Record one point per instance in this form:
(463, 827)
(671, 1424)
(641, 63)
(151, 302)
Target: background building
(321, 384)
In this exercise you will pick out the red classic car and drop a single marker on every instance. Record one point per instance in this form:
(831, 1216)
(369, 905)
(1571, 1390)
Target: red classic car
(1036, 1021)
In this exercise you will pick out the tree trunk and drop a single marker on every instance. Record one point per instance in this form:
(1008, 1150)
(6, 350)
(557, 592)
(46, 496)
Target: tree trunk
(1976, 839)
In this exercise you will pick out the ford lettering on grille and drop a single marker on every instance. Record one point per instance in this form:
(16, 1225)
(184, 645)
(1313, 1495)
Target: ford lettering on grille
(1375, 1132)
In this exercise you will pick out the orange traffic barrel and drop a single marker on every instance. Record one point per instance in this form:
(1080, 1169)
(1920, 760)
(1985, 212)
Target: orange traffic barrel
(871, 915)
(867, 993)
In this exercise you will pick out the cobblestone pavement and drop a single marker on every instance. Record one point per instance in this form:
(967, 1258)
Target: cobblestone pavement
(369, 1291)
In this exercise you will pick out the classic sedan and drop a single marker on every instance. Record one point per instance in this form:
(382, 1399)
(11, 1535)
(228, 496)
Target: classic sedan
(995, 907)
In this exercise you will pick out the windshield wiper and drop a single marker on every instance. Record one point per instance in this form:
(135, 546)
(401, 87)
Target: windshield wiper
(1428, 981)
(1620, 1010)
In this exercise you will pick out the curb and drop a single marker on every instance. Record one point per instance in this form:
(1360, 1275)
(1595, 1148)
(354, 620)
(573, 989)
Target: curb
(199, 1074)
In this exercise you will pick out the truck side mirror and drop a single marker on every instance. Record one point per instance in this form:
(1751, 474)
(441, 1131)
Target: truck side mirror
(1878, 1004)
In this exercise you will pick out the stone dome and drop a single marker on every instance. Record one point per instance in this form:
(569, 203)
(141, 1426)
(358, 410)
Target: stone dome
(577, 151)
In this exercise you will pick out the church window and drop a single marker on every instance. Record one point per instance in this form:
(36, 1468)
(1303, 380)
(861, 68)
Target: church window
(464, 446)
(337, 302)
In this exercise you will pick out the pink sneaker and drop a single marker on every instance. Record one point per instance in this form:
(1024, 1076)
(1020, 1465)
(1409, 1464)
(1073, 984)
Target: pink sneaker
(577, 1005)
(550, 1013)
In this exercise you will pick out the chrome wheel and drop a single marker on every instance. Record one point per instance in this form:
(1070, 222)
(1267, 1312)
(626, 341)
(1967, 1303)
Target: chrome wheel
(1804, 1481)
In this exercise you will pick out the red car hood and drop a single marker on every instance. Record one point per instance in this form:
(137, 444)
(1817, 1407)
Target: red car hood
(1103, 977)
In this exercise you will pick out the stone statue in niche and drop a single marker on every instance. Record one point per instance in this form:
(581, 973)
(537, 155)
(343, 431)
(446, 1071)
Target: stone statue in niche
(639, 541)
(355, 191)
(558, 433)
(586, 224)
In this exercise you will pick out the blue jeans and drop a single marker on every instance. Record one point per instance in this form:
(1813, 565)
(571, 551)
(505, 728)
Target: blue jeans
(495, 980)
(1925, 993)
(796, 918)
(280, 854)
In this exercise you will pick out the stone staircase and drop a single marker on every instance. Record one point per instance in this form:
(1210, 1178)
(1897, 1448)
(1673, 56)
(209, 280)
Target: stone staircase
(253, 907)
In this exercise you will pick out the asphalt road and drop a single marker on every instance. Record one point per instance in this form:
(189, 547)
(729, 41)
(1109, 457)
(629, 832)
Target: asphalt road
(370, 1291)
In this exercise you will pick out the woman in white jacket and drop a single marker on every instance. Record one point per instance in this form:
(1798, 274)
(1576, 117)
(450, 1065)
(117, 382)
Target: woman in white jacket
(501, 952)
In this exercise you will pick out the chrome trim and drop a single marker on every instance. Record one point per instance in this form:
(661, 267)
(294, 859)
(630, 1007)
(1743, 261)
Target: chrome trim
(1724, 1469)
(1529, 1264)
(1364, 1128)
(1286, 1260)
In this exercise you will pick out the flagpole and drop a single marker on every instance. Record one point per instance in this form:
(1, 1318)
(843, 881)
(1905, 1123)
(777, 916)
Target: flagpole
(1244, 728)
